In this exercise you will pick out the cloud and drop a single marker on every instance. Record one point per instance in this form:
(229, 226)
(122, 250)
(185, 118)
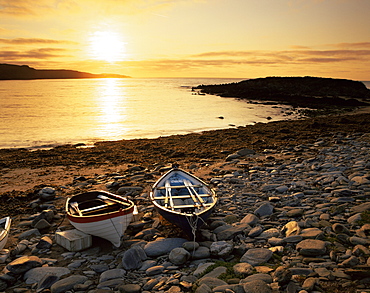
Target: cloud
(224, 53)
(322, 56)
(214, 61)
(39, 8)
(302, 55)
(18, 7)
(299, 47)
(352, 45)
(27, 41)
(13, 50)
(192, 65)
(300, 59)
(351, 58)
(43, 53)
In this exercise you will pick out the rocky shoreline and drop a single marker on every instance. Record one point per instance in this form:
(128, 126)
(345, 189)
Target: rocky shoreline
(293, 212)
(312, 92)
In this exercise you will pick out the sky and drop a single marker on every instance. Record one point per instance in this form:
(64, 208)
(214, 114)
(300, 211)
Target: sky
(190, 38)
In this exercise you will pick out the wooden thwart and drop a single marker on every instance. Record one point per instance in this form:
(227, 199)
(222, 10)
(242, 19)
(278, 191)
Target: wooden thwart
(178, 186)
(191, 206)
(183, 196)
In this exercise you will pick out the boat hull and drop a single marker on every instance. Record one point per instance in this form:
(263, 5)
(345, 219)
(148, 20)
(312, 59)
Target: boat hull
(5, 229)
(189, 224)
(109, 225)
(188, 217)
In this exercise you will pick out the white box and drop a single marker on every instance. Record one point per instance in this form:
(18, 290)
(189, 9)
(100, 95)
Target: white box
(73, 240)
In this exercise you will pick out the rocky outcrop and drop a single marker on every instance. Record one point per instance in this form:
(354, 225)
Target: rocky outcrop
(306, 91)
(15, 72)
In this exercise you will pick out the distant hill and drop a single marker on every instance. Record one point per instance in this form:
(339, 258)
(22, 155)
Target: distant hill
(314, 92)
(22, 72)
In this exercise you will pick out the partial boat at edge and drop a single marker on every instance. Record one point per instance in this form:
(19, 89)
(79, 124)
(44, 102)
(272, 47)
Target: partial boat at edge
(4, 231)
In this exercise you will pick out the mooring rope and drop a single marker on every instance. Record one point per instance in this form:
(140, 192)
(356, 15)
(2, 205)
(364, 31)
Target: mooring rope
(193, 221)
(114, 226)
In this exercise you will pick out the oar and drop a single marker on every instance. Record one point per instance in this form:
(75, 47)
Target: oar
(74, 205)
(103, 197)
(168, 195)
(193, 193)
(95, 208)
(190, 192)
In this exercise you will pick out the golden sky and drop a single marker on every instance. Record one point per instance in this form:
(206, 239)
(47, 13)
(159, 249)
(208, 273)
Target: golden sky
(190, 38)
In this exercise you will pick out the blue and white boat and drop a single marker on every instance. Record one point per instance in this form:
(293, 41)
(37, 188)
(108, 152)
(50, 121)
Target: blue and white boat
(183, 199)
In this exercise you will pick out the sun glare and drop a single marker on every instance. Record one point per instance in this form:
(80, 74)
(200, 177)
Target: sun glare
(107, 46)
(113, 108)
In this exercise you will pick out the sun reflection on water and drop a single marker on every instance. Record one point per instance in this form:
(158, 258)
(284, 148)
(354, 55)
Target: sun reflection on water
(113, 108)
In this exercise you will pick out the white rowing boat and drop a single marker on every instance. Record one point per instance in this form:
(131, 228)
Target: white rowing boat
(4, 231)
(183, 199)
(101, 214)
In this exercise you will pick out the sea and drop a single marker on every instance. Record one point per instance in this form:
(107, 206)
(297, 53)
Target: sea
(38, 114)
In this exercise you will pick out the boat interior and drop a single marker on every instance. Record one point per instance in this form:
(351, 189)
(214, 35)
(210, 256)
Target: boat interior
(93, 207)
(183, 196)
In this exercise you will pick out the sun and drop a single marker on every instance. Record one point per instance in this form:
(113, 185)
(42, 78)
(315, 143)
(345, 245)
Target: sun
(107, 46)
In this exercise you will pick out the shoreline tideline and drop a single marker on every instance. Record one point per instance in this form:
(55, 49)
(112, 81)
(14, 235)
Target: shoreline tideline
(22, 169)
(191, 147)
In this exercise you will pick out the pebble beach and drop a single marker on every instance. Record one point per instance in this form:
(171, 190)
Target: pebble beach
(293, 212)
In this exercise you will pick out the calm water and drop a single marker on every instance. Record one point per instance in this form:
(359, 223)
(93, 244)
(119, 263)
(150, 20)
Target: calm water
(42, 113)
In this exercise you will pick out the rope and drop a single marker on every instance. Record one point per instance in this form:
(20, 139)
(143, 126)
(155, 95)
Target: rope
(60, 223)
(193, 224)
(114, 226)
(193, 221)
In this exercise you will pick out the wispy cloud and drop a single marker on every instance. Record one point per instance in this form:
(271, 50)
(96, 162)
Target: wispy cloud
(351, 58)
(43, 53)
(352, 45)
(224, 53)
(302, 55)
(18, 7)
(302, 60)
(38, 8)
(28, 41)
(296, 47)
(25, 49)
